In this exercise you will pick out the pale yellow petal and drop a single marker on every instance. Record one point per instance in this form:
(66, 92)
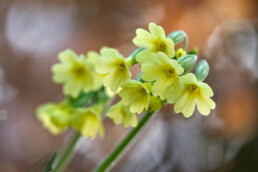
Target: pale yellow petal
(110, 53)
(179, 70)
(61, 73)
(151, 72)
(170, 48)
(72, 88)
(115, 79)
(189, 78)
(130, 120)
(157, 31)
(104, 65)
(206, 89)
(143, 39)
(67, 56)
(189, 107)
(144, 56)
(179, 105)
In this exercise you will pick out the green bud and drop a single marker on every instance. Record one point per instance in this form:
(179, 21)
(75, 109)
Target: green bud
(187, 62)
(202, 70)
(177, 36)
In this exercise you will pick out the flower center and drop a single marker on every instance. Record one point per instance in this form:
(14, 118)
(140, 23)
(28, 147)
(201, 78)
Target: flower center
(193, 88)
(79, 70)
(122, 66)
(170, 71)
(161, 46)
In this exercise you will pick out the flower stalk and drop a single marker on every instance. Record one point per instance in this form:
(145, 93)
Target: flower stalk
(68, 152)
(118, 151)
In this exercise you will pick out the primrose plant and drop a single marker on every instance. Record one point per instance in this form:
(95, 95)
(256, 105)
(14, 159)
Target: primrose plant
(90, 81)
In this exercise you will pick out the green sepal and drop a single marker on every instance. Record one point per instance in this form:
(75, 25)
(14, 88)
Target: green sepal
(187, 62)
(193, 51)
(202, 70)
(178, 36)
(81, 100)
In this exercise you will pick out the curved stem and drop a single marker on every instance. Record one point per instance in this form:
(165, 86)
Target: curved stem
(63, 161)
(185, 42)
(110, 159)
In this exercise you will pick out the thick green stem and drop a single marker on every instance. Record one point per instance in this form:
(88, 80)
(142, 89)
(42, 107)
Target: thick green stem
(65, 157)
(110, 159)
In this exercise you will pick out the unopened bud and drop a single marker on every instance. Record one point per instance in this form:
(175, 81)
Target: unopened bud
(187, 62)
(177, 36)
(202, 70)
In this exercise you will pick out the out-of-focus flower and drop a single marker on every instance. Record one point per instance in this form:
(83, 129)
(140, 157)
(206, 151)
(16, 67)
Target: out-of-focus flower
(164, 72)
(180, 52)
(114, 66)
(121, 114)
(136, 95)
(92, 56)
(194, 93)
(55, 117)
(74, 72)
(88, 121)
(154, 41)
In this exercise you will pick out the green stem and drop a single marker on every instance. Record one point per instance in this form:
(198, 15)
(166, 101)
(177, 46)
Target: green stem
(63, 161)
(185, 43)
(107, 162)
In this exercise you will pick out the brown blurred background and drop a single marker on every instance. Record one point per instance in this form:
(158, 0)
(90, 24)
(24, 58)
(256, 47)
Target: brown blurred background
(225, 31)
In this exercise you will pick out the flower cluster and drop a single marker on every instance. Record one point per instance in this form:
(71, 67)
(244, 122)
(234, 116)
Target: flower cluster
(89, 81)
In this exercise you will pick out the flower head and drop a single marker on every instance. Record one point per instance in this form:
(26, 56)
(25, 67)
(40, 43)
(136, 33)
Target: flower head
(88, 121)
(164, 72)
(55, 117)
(121, 114)
(154, 41)
(194, 93)
(136, 95)
(114, 66)
(74, 72)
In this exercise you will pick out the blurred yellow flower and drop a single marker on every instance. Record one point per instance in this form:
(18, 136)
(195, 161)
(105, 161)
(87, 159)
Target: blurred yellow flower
(55, 117)
(164, 72)
(75, 73)
(88, 121)
(114, 66)
(194, 93)
(121, 114)
(92, 56)
(154, 41)
(136, 95)
(180, 52)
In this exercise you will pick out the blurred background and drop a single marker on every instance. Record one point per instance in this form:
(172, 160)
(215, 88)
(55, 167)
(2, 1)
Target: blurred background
(225, 31)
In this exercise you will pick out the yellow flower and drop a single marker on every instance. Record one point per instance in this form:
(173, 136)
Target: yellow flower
(98, 78)
(164, 72)
(115, 66)
(121, 114)
(55, 117)
(154, 41)
(74, 72)
(88, 121)
(136, 95)
(180, 52)
(194, 93)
